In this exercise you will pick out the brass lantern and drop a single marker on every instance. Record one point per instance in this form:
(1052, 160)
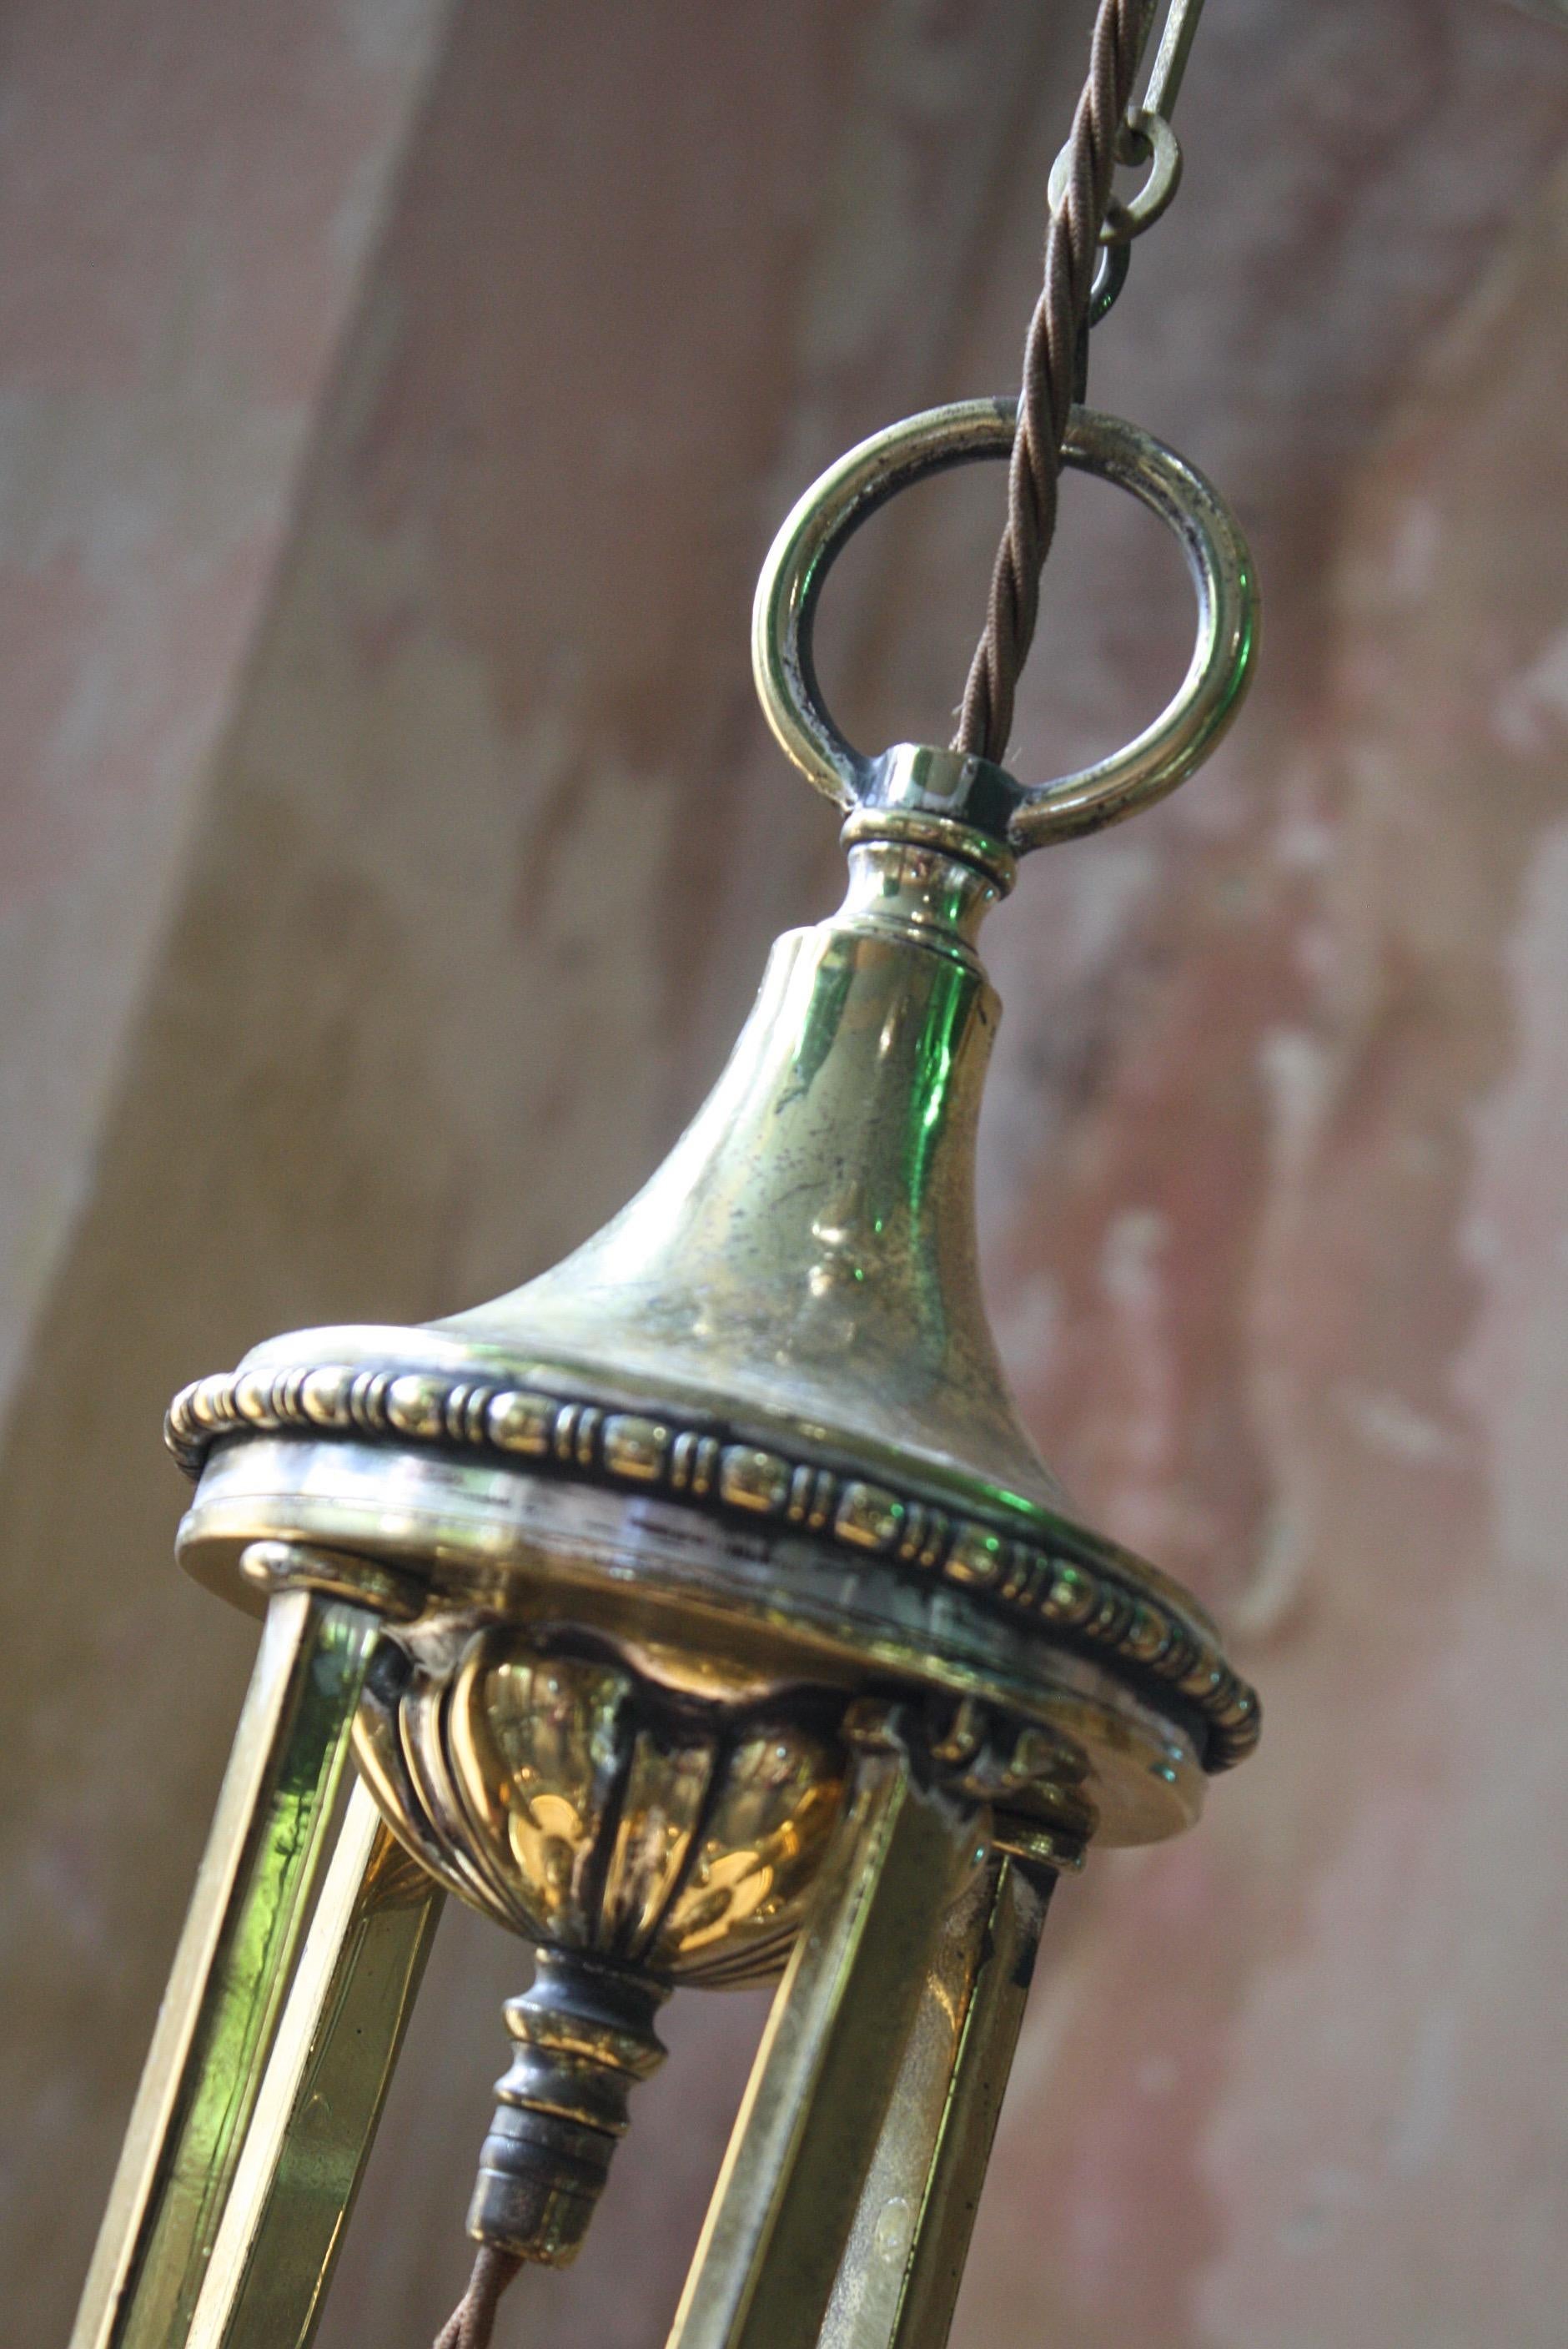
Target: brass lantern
(700, 1612)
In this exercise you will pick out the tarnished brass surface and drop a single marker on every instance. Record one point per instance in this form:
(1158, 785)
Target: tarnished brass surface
(322, 2093)
(1032, 1789)
(898, 2280)
(567, 1799)
(215, 2026)
(724, 1607)
(778, 1354)
(584, 2037)
(830, 2059)
(804, 1260)
(639, 1836)
(803, 1265)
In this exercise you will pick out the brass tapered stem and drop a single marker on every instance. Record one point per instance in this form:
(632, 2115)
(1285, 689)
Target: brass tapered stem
(805, 1258)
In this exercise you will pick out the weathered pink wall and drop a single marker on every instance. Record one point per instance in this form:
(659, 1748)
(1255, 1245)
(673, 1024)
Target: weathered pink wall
(1276, 1192)
(1303, 1260)
(188, 196)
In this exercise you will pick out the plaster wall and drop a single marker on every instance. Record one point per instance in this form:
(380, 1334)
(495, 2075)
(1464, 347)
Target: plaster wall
(376, 953)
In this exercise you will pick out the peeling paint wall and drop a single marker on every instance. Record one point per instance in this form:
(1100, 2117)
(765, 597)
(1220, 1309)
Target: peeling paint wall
(188, 197)
(395, 409)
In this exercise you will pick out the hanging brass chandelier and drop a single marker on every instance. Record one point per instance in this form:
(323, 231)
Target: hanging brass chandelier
(701, 1611)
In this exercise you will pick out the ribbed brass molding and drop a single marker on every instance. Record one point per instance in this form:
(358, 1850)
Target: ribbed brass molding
(637, 1840)
(641, 1839)
(1089, 1592)
(571, 1799)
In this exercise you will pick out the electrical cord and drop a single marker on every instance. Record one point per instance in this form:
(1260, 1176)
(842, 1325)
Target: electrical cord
(1053, 353)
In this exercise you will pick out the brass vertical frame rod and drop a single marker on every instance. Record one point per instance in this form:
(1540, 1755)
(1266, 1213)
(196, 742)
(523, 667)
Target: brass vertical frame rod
(215, 2025)
(903, 2264)
(814, 2109)
(320, 2098)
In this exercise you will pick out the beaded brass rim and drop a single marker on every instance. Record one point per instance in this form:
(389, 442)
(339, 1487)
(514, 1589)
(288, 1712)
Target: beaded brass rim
(1056, 1574)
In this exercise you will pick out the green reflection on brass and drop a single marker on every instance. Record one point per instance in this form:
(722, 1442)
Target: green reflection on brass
(215, 2027)
(941, 1038)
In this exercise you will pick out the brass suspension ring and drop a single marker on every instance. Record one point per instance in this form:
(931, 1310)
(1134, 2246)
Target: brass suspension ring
(849, 493)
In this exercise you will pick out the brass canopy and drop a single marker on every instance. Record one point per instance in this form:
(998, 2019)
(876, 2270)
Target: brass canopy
(757, 1426)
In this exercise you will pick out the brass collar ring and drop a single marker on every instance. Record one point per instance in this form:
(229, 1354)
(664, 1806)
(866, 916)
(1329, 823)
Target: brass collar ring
(1163, 755)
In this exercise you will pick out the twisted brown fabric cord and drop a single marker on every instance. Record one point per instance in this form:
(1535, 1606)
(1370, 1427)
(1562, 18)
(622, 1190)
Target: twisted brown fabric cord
(472, 2320)
(1050, 357)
